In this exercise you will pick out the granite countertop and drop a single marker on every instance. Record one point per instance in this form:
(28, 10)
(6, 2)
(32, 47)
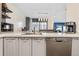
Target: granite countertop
(42, 35)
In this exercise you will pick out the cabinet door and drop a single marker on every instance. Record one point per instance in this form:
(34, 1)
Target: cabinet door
(38, 47)
(1, 46)
(24, 46)
(10, 46)
(75, 47)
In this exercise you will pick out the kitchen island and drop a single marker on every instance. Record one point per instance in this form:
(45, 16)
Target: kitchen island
(21, 44)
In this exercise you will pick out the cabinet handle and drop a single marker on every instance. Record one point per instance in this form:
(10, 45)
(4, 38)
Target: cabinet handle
(10, 39)
(75, 39)
(24, 39)
(37, 38)
(58, 40)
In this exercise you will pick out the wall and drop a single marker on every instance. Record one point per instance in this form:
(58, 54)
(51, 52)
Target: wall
(53, 11)
(49, 10)
(17, 18)
(73, 13)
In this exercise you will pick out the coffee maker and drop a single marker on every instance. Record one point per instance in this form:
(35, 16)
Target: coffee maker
(70, 27)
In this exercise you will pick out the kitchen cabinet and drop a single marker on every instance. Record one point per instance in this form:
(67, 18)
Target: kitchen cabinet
(1, 46)
(38, 47)
(10, 46)
(75, 47)
(24, 47)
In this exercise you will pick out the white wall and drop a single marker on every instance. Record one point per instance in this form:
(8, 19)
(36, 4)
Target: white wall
(73, 13)
(52, 11)
(48, 10)
(17, 17)
(57, 12)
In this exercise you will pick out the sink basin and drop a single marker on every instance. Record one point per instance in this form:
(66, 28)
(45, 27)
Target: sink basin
(32, 34)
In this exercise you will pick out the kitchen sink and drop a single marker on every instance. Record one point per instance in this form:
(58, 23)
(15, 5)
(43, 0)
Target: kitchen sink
(32, 34)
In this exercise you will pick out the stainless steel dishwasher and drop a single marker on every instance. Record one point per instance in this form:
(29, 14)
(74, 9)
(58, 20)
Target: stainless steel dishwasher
(58, 46)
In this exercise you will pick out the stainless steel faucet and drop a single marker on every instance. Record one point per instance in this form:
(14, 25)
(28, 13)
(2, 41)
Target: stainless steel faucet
(34, 30)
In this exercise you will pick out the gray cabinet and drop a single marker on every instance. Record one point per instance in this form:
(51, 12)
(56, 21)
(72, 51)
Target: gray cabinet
(10, 46)
(38, 47)
(1, 46)
(24, 47)
(75, 47)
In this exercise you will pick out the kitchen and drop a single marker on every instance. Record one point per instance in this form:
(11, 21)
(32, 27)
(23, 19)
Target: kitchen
(41, 29)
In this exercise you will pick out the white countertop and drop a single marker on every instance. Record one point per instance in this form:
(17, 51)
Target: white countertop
(43, 35)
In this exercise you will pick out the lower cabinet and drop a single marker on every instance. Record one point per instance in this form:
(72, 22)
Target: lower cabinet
(10, 46)
(24, 47)
(38, 47)
(75, 47)
(29, 46)
(1, 46)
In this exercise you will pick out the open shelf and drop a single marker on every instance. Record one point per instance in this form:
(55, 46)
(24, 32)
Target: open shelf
(5, 12)
(5, 8)
(5, 16)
